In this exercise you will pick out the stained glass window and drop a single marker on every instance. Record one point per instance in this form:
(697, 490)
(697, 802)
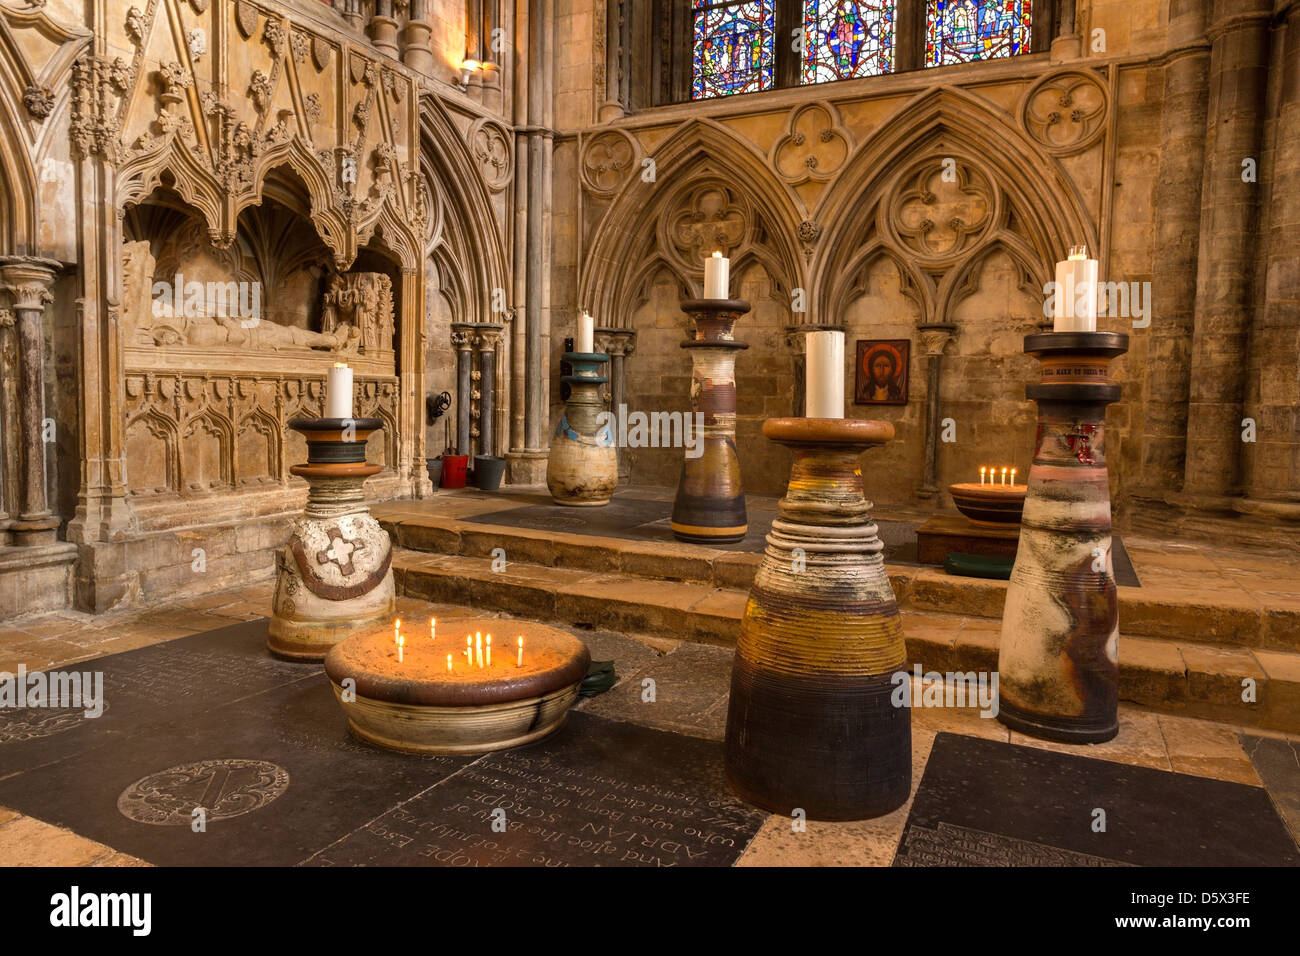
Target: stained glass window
(733, 48)
(847, 38)
(959, 31)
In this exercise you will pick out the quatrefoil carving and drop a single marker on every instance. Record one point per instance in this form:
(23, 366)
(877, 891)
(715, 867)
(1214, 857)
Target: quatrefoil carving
(941, 207)
(814, 146)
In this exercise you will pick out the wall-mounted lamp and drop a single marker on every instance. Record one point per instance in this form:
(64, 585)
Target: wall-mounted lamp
(467, 69)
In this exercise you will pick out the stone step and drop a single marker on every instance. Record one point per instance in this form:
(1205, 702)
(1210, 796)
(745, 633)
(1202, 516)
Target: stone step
(1190, 679)
(1174, 613)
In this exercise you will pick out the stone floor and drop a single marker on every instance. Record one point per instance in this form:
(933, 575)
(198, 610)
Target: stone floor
(691, 681)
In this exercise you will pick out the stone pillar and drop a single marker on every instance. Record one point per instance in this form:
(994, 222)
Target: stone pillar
(462, 340)
(10, 432)
(352, 13)
(614, 105)
(27, 281)
(103, 517)
(933, 338)
(528, 465)
(1272, 462)
(416, 52)
(1167, 370)
(383, 28)
(1226, 264)
(618, 344)
(486, 338)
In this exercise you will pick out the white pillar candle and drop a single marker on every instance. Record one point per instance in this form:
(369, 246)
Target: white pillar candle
(825, 378)
(338, 392)
(717, 277)
(586, 339)
(1075, 301)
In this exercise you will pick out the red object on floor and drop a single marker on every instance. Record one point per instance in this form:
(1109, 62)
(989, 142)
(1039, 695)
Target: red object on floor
(453, 470)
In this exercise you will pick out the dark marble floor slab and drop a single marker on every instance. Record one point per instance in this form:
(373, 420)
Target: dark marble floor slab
(276, 772)
(987, 803)
(599, 792)
(1277, 762)
(176, 680)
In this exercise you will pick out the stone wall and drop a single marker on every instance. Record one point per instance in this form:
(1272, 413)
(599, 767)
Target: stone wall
(837, 190)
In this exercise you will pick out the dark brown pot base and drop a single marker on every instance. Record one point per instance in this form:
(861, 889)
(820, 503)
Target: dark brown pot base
(1062, 730)
(835, 747)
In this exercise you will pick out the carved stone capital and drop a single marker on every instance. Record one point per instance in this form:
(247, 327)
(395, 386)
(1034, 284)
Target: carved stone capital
(462, 336)
(616, 342)
(794, 334)
(932, 338)
(26, 280)
(487, 336)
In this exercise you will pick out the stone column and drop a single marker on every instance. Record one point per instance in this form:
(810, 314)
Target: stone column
(416, 52)
(1226, 264)
(613, 107)
(618, 344)
(1272, 462)
(10, 445)
(27, 281)
(486, 337)
(103, 517)
(383, 28)
(1166, 375)
(462, 340)
(932, 340)
(529, 464)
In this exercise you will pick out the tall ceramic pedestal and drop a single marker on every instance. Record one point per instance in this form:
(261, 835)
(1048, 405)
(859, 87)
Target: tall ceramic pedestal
(811, 723)
(1058, 667)
(582, 468)
(334, 576)
(710, 503)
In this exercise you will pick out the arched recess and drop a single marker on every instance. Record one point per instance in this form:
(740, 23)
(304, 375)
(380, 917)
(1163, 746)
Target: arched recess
(462, 226)
(1040, 212)
(916, 284)
(629, 246)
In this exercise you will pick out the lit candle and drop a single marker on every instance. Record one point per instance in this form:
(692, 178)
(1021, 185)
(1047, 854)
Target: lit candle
(433, 628)
(478, 647)
(1074, 303)
(717, 269)
(469, 649)
(489, 650)
(982, 470)
(449, 662)
(1004, 475)
(397, 627)
(825, 352)
(400, 643)
(338, 391)
(520, 661)
(1013, 477)
(586, 340)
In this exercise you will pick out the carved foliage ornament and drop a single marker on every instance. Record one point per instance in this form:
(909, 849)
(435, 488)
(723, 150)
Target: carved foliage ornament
(490, 144)
(39, 101)
(608, 160)
(1066, 112)
(815, 145)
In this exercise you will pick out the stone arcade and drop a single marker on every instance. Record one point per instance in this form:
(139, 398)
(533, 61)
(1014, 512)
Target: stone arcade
(929, 387)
